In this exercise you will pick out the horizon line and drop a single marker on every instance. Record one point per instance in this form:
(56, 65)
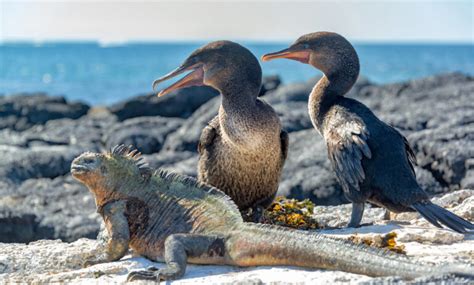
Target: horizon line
(104, 43)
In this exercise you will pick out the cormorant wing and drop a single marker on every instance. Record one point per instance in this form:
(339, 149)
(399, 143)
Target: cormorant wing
(285, 141)
(208, 134)
(347, 145)
(409, 151)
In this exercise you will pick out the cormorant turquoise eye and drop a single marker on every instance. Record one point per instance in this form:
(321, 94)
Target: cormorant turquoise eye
(306, 46)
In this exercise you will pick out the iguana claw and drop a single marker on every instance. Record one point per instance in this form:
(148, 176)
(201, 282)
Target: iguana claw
(152, 275)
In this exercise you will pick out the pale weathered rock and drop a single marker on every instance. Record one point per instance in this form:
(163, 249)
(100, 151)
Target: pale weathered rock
(55, 261)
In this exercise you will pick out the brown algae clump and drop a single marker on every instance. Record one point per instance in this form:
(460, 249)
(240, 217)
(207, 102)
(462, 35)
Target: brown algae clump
(381, 241)
(291, 213)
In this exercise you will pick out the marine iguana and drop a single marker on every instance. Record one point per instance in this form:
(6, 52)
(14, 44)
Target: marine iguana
(243, 149)
(372, 160)
(176, 219)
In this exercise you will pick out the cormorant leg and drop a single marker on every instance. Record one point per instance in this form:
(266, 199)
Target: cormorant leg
(357, 213)
(259, 209)
(178, 248)
(257, 214)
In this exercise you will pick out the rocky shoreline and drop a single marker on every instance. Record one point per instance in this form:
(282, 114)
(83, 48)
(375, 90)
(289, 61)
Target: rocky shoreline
(40, 135)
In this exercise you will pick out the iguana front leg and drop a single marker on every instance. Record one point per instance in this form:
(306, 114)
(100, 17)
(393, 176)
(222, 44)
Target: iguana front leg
(118, 233)
(179, 248)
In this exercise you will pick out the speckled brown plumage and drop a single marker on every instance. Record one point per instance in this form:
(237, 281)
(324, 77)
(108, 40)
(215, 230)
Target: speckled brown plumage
(250, 175)
(372, 160)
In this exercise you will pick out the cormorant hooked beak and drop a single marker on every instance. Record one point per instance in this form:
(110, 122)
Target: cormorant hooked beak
(289, 53)
(194, 78)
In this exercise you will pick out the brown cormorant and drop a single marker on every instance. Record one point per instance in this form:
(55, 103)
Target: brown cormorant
(243, 149)
(372, 160)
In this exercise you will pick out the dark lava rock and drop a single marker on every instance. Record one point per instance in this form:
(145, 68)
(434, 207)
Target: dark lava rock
(39, 199)
(168, 158)
(291, 92)
(307, 173)
(186, 166)
(21, 111)
(183, 162)
(269, 83)
(437, 116)
(468, 181)
(427, 103)
(445, 152)
(19, 164)
(86, 131)
(291, 102)
(181, 103)
(186, 138)
(299, 91)
(146, 133)
(293, 115)
(59, 208)
(428, 182)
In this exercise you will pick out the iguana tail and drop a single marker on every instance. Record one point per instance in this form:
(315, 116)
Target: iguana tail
(257, 244)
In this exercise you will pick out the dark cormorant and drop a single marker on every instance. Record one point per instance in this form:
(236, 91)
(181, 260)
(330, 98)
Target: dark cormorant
(372, 160)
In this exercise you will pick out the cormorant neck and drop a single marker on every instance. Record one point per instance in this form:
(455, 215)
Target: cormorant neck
(238, 99)
(342, 80)
(239, 118)
(328, 89)
(341, 70)
(340, 74)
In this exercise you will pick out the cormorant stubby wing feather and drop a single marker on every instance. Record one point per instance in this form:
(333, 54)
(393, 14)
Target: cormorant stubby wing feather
(208, 134)
(347, 145)
(409, 151)
(285, 141)
(410, 154)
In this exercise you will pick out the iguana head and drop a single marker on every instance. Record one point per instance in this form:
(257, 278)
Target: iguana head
(104, 173)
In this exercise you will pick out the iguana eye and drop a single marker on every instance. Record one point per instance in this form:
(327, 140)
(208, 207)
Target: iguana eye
(89, 160)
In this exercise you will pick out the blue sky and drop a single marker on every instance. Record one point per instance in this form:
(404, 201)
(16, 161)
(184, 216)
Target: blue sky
(112, 21)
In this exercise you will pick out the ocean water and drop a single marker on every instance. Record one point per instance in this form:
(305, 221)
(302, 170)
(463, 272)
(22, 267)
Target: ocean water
(105, 74)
